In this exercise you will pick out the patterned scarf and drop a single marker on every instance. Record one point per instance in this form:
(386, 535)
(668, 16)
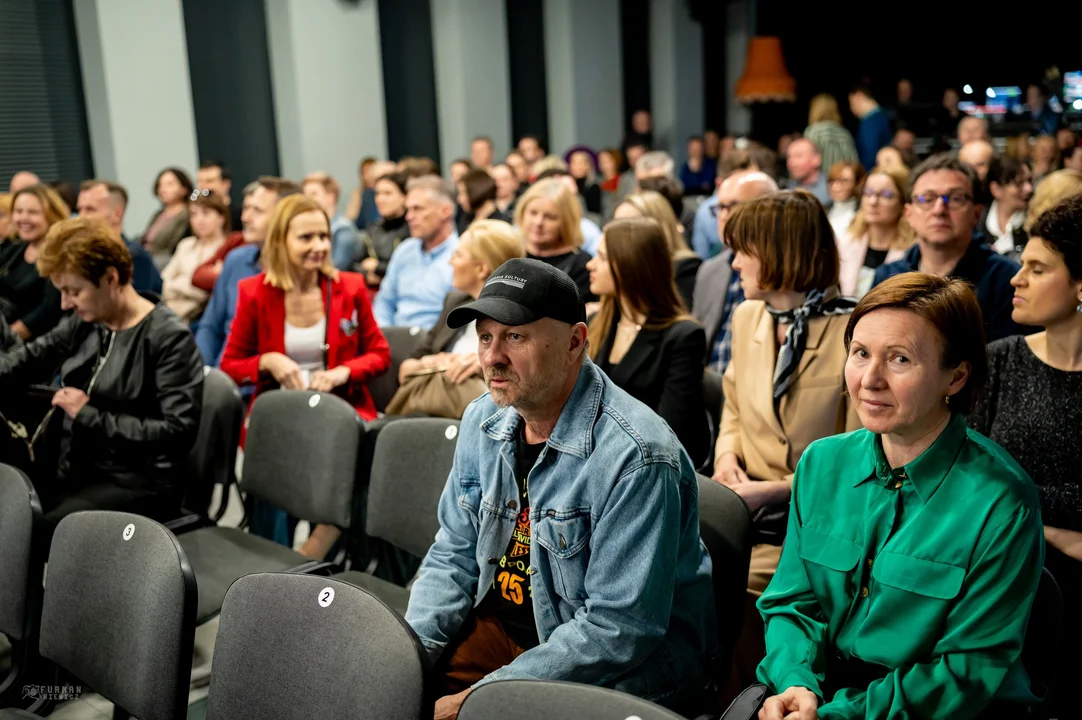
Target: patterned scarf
(816, 304)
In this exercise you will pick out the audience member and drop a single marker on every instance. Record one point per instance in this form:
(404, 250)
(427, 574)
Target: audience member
(643, 337)
(943, 214)
(712, 144)
(6, 227)
(978, 154)
(805, 167)
(518, 164)
(609, 162)
(891, 157)
(481, 153)
(705, 239)
(22, 179)
(1045, 120)
(616, 590)
(131, 381)
(628, 179)
(1010, 187)
(717, 286)
(591, 233)
(860, 620)
(361, 207)
(28, 301)
(415, 167)
(582, 166)
(972, 128)
(301, 324)
(549, 217)
(243, 262)
(826, 132)
(531, 150)
(673, 191)
(419, 274)
(209, 217)
(1066, 140)
(507, 189)
(1018, 147)
(949, 115)
(458, 170)
(477, 198)
(213, 175)
(1045, 157)
(1023, 409)
(382, 237)
(325, 190)
(1055, 188)
(487, 245)
(879, 233)
(685, 263)
(845, 180)
(874, 131)
(108, 201)
(169, 225)
(641, 131)
(1072, 158)
(698, 171)
(207, 274)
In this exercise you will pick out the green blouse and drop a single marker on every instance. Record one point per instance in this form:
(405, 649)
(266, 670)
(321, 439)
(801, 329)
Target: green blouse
(928, 571)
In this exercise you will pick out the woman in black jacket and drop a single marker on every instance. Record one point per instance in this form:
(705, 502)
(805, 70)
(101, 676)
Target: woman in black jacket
(643, 337)
(131, 381)
(382, 237)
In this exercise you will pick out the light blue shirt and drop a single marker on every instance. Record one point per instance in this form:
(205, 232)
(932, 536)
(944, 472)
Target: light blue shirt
(591, 236)
(343, 242)
(819, 188)
(705, 240)
(416, 283)
(241, 263)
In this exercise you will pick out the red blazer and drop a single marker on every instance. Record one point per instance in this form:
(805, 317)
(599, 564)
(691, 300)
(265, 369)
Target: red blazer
(353, 338)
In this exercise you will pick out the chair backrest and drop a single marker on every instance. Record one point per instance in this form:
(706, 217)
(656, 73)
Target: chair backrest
(21, 563)
(294, 645)
(713, 397)
(119, 611)
(213, 460)
(725, 528)
(1040, 649)
(560, 700)
(300, 454)
(410, 466)
(402, 341)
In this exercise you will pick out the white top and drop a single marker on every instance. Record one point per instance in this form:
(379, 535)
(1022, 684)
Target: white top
(304, 346)
(467, 341)
(841, 215)
(1004, 237)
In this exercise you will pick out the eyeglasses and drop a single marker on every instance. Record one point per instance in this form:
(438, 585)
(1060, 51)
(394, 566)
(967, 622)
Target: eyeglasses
(953, 201)
(197, 193)
(882, 195)
(727, 207)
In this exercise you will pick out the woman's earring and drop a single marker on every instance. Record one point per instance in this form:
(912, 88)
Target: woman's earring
(1078, 308)
(947, 399)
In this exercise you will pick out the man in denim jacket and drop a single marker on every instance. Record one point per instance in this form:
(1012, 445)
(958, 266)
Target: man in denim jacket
(569, 542)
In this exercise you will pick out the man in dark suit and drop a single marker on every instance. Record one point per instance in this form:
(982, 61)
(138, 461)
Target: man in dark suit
(717, 285)
(107, 201)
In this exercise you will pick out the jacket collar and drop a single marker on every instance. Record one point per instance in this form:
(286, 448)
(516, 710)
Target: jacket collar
(927, 471)
(574, 431)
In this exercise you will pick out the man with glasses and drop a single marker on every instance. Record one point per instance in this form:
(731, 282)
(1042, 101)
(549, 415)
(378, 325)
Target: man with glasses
(717, 284)
(943, 214)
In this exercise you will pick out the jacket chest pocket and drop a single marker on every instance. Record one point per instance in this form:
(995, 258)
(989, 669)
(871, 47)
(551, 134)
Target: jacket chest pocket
(565, 537)
(829, 561)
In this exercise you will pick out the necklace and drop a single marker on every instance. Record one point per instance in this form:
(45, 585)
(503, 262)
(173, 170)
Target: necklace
(625, 325)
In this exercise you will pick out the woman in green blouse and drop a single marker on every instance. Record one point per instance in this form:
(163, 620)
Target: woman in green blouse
(914, 545)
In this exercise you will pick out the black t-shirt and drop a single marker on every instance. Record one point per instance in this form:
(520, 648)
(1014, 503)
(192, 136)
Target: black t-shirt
(874, 258)
(510, 599)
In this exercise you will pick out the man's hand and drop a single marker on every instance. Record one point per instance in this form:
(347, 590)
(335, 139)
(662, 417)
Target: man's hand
(447, 707)
(70, 400)
(796, 703)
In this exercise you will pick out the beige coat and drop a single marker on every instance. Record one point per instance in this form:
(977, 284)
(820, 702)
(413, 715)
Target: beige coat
(769, 444)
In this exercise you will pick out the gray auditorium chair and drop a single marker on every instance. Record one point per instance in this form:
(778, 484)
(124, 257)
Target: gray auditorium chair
(300, 456)
(725, 528)
(559, 700)
(302, 646)
(213, 459)
(119, 612)
(713, 397)
(24, 547)
(402, 341)
(410, 466)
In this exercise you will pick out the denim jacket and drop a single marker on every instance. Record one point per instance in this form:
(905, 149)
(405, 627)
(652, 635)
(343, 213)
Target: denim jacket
(612, 481)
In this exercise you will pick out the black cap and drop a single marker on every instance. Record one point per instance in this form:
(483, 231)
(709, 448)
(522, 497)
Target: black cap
(522, 291)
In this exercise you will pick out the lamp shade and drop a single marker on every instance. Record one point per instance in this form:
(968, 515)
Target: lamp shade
(765, 76)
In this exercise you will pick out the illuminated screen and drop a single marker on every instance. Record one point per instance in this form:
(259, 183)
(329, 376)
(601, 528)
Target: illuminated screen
(1072, 87)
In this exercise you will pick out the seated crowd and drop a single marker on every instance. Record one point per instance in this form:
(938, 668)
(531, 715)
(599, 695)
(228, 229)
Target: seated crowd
(906, 483)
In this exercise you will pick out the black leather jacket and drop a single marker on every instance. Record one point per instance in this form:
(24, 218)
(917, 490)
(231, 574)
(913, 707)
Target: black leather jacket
(146, 394)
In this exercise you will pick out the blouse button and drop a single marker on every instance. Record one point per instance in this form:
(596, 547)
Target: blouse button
(898, 485)
(511, 504)
(870, 562)
(563, 543)
(864, 592)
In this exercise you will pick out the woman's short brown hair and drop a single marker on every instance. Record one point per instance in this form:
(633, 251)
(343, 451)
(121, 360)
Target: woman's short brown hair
(213, 201)
(951, 308)
(86, 247)
(480, 188)
(790, 234)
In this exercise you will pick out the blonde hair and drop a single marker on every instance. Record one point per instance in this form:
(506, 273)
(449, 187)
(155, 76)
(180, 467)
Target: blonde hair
(651, 204)
(824, 108)
(858, 228)
(567, 205)
(549, 162)
(5, 208)
(275, 256)
(1051, 191)
(52, 205)
(493, 242)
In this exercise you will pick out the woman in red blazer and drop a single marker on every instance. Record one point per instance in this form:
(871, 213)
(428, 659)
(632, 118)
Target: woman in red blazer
(301, 324)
